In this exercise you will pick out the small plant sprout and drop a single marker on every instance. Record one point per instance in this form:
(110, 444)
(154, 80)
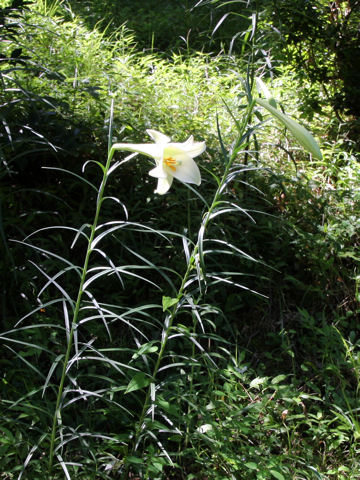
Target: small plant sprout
(172, 159)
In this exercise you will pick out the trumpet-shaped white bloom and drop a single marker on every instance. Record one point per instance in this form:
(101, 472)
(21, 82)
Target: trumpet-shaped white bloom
(173, 160)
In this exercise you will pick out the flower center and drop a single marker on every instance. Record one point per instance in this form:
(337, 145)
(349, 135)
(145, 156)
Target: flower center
(171, 163)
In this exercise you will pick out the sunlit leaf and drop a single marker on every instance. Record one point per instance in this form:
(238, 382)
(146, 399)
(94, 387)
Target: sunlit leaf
(277, 475)
(139, 381)
(303, 136)
(168, 302)
(145, 349)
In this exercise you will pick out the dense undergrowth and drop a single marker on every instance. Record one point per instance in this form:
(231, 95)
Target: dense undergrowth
(218, 334)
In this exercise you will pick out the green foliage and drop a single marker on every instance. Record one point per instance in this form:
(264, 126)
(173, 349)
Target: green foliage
(163, 26)
(261, 427)
(262, 259)
(55, 98)
(321, 43)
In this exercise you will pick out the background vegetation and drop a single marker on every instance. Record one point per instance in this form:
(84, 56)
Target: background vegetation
(260, 375)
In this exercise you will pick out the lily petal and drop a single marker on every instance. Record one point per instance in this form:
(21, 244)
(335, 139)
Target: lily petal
(163, 185)
(158, 172)
(158, 137)
(187, 171)
(153, 150)
(193, 149)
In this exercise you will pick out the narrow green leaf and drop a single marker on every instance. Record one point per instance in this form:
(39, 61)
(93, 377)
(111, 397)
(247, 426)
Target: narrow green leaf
(134, 460)
(140, 380)
(317, 474)
(265, 91)
(168, 302)
(303, 136)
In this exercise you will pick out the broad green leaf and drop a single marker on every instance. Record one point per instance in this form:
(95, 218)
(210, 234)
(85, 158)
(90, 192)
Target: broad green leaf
(303, 136)
(140, 380)
(167, 406)
(277, 475)
(6, 437)
(257, 382)
(145, 349)
(278, 379)
(251, 465)
(157, 465)
(168, 302)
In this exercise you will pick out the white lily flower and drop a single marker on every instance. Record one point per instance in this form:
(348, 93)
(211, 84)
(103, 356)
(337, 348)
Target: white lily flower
(173, 160)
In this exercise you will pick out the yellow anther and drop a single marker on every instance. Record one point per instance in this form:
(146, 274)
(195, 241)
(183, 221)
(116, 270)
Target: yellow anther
(171, 163)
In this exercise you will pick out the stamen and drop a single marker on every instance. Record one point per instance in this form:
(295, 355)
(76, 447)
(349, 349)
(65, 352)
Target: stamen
(171, 163)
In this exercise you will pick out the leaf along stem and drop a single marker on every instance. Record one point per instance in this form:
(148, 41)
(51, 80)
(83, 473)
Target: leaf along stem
(57, 412)
(195, 260)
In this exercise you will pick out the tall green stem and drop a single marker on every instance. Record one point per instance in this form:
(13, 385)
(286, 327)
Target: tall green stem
(57, 412)
(191, 264)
